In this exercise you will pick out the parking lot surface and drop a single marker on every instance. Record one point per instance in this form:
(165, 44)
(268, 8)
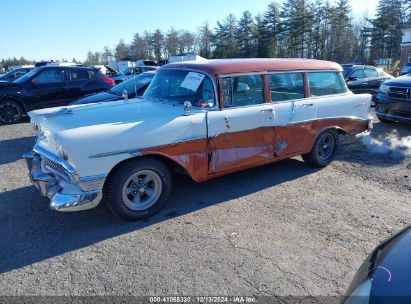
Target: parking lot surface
(281, 229)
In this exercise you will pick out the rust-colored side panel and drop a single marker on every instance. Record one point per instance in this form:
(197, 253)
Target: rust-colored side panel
(191, 156)
(236, 151)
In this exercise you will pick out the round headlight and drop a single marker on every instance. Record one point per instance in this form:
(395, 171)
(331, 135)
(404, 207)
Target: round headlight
(384, 88)
(60, 151)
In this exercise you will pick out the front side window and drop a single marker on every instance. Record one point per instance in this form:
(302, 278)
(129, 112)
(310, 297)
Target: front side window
(243, 90)
(180, 86)
(286, 86)
(50, 76)
(359, 74)
(326, 83)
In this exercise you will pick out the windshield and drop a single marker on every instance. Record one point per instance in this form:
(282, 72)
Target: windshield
(180, 86)
(133, 85)
(347, 70)
(27, 76)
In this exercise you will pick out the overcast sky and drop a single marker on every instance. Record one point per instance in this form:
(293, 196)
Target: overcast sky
(56, 29)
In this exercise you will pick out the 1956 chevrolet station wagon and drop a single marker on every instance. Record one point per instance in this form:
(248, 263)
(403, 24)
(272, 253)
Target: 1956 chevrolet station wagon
(206, 119)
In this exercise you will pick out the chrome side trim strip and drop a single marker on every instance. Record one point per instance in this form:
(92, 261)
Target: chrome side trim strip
(136, 152)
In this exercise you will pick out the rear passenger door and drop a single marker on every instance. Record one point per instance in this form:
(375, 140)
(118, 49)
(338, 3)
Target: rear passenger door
(241, 134)
(77, 80)
(373, 79)
(295, 114)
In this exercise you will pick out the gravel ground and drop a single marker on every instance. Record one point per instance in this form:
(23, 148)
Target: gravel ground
(281, 229)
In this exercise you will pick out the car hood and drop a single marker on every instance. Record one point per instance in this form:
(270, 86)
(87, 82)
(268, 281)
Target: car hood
(113, 113)
(86, 132)
(97, 97)
(399, 81)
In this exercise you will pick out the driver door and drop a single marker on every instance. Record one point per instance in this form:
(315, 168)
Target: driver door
(242, 133)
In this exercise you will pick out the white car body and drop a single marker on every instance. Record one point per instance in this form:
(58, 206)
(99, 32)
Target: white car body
(98, 137)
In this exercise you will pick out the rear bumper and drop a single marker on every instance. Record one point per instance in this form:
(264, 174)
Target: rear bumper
(64, 196)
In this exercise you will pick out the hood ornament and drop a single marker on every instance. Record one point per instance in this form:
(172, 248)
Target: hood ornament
(124, 94)
(62, 111)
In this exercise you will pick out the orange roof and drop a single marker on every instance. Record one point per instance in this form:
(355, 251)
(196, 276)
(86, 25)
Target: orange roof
(232, 66)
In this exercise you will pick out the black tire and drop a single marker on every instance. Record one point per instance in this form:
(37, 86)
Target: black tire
(321, 156)
(122, 204)
(385, 120)
(10, 112)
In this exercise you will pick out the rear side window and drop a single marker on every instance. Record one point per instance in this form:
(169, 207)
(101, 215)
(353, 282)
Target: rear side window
(243, 90)
(80, 74)
(371, 73)
(326, 83)
(286, 86)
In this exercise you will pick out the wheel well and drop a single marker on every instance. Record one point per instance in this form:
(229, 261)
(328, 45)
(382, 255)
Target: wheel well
(17, 101)
(173, 166)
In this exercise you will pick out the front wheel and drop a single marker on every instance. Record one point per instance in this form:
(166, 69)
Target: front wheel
(10, 112)
(138, 189)
(324, 149)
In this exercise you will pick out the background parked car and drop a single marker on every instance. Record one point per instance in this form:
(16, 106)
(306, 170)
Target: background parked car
(135, 86)
(385, 275)
(393, 101)
(406, 69)
(131, 71)
(364, 78)
(48, 86)
(15, 74)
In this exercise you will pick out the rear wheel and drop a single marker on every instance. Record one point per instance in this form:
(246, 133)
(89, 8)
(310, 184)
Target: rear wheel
(324, 149)
(138, 189)
(10, 112)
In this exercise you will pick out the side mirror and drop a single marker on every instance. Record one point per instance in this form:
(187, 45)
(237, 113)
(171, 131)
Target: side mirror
(188, 107)
(351, 78)
(124, 94)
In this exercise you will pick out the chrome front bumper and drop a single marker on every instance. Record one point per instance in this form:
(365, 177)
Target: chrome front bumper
(53, 187)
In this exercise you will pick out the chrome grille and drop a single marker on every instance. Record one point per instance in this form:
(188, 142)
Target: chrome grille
(400, 93)
(56, 168)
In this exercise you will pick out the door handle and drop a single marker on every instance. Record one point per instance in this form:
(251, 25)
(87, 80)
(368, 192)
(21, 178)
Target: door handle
(310, 104)
(365, 83)
(267, 110)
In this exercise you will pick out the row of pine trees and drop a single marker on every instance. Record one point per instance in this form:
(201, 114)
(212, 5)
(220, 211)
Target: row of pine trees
(297, 28)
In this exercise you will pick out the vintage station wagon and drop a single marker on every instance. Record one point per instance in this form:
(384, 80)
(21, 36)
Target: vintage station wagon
(206, 119)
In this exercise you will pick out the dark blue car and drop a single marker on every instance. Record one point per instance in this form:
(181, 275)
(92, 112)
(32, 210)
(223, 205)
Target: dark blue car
(393, 100)
(132, 87)
(385, 276)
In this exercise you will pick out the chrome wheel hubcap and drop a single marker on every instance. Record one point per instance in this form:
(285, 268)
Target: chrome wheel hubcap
(142, 190)
(325, 146)
(9, 112)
